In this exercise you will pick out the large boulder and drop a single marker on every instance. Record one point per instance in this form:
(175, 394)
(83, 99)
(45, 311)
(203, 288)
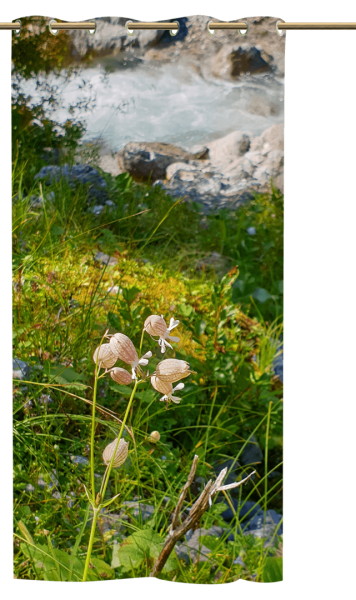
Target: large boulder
(225, 150)
(78, 174)
(234, 61)
(148, 161)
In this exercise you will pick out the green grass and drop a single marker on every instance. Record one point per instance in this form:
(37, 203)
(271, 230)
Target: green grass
(231, 324)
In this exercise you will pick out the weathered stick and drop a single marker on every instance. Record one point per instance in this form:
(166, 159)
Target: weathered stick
(176, 532)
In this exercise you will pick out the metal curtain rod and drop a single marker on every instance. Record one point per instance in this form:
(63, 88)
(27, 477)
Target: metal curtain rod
(16, 26)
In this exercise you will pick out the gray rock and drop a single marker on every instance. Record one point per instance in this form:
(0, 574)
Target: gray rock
(140, 510)
(82, 174)
(148, 161)
(79, 460)
(246, 510)
(235, 168)
(277, 365)
(257, 529)
(57, 495)
(192, 549)
(20, 369)
(233, 61)
(106, 259)
(98, 209)
(29, 488)
(252, 453)
(251, 230)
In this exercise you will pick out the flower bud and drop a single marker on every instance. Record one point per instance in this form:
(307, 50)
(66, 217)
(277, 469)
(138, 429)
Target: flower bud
(165, 387)
(154, 437)
(120, 455)
(124, 349)
(105, 356)
(121, 376)
(155, 325)
(172, 369)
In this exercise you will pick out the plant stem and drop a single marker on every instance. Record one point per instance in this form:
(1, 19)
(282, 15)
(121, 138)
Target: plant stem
(91, 541)
(108, 471)
(93, 433)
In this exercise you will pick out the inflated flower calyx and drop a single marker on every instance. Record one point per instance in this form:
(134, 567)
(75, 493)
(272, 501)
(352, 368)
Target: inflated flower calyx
(155, 325)
(154, 437)
(124, 349)
(120, 455)
(165, 387)
(172, 369)
(105, 356)
(121, 376)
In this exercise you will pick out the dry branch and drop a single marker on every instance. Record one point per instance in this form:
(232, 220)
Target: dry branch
(176, 531)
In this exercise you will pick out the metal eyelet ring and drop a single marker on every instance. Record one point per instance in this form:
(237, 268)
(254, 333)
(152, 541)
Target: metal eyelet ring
(17, 31)
(53, 31)
(129, 31)
(244, 31)
(174, 32)
(211, 31)
(92, 31)
(279, 31)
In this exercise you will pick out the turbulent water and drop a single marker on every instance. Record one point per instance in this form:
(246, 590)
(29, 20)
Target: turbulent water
(167, 103)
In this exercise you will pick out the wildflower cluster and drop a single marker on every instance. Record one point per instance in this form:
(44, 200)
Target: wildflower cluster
(168, 371)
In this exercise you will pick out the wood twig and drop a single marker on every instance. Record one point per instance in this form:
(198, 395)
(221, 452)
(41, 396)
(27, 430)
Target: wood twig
(176, 530)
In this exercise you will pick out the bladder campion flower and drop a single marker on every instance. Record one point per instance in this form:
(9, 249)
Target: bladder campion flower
(154, 437)
(126, 351)
(120, 454)
(105, 356)
(155, 325)
(172, 369)
(121, 376)
(166, 388)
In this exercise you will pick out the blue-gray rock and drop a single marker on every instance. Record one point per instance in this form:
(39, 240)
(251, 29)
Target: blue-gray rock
(140, 510)
(20, 369)
(251, 453)
(251, 230)
(193, 549)
(29, 488)
(82, 174)
(79, 460)
(256, 527)
(246, 510)
(57, 495)
(278, 363)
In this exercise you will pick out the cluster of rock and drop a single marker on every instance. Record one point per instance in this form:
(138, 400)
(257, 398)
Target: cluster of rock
(226, 54)
(222, 174)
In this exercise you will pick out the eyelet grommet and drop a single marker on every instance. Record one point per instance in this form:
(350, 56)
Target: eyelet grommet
(174, 32)
(279, 31)
(243, 31)
(129, 31)
(17, 31)
(92, 31)
(211, 31)
(53, 31)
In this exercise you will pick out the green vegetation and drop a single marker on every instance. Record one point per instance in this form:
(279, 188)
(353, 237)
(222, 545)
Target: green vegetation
(230, 309)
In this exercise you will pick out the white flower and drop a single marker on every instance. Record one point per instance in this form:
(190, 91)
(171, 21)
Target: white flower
(169, 397)
(143, 361)
(162, 342)
(155, 325)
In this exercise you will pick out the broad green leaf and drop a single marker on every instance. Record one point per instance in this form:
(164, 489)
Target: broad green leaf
(261, 295)
(273, 569)
(64, 375)
(140, 546)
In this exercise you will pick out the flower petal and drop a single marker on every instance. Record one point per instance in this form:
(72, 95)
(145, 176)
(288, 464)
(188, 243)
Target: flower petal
(147, 355)
(174, 338)
(180, 386)
(172, 324)
(143, 362)
(175, 399)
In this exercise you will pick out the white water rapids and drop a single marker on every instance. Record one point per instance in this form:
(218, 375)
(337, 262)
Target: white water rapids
(154, 102)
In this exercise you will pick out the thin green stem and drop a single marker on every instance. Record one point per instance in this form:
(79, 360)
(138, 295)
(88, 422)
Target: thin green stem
(209, 421)
(118, 439)
(265, 486)
(91, 541)
(93, 433)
